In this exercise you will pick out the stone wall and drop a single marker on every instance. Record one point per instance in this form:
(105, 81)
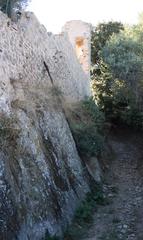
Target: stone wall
(42, 178)
(28, 48)
(79, 34)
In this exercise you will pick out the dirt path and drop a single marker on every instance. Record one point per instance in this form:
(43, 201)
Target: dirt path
(123, 217)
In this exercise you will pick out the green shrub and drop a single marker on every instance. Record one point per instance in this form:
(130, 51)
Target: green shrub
(51, 238)
(48, 237)
(117, 72)
(87, 124)
(8, 132)
(89, 141)
(132, 117)
(95, 114)
(84, 214)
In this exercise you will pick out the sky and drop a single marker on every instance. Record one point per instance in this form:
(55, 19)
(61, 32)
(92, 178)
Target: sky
(55, 13)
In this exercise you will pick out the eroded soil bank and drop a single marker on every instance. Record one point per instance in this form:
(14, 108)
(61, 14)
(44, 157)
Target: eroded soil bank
(122, 218)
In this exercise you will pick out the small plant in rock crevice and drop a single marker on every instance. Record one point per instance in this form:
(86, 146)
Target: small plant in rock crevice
(8, 131)
(51, 238)
(84, 214)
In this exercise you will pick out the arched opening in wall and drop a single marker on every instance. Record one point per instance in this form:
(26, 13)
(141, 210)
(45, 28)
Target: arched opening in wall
(79, 43)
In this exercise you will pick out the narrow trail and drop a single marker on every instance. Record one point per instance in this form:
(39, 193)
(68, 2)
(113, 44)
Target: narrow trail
(123, 217)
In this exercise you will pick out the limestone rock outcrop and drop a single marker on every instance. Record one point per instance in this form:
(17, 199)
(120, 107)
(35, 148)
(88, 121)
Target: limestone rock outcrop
(42, 178)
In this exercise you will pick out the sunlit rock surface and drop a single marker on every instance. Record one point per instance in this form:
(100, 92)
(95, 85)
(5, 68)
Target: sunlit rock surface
(42, 179)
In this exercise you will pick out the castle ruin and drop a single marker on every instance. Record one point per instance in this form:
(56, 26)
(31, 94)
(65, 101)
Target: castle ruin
(42, 179)
(79, 34)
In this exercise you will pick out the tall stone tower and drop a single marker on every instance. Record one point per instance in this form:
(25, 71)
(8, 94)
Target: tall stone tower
(79, 34)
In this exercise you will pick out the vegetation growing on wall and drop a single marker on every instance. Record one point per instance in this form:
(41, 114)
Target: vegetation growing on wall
(87, 122)
(84, 215)
(8, 132)
(11, 6)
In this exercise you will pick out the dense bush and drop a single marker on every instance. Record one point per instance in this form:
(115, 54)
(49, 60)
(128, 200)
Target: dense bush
(86, 122)
(117, 76)
(51, 238)
(84, 214)
(92, 111)
(100, 35)
(132, 117)
(124, 56)
(89, 141)
(9, 132)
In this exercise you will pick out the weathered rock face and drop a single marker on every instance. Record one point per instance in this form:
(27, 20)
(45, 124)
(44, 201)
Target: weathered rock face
(42, 179)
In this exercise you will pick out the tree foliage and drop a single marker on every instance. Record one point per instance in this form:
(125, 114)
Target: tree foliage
(101, 85)
(117, 71)
(124, 56)
(100, 35)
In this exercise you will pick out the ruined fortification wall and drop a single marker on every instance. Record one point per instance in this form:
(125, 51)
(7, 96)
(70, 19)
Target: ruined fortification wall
(28, 48)
(42, 179)
(79, 34)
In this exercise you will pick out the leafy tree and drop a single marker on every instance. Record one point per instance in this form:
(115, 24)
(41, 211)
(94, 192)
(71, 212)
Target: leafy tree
(100, 35)
(117, 72)
(101, 85)
(101, 74)
(124, 56)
